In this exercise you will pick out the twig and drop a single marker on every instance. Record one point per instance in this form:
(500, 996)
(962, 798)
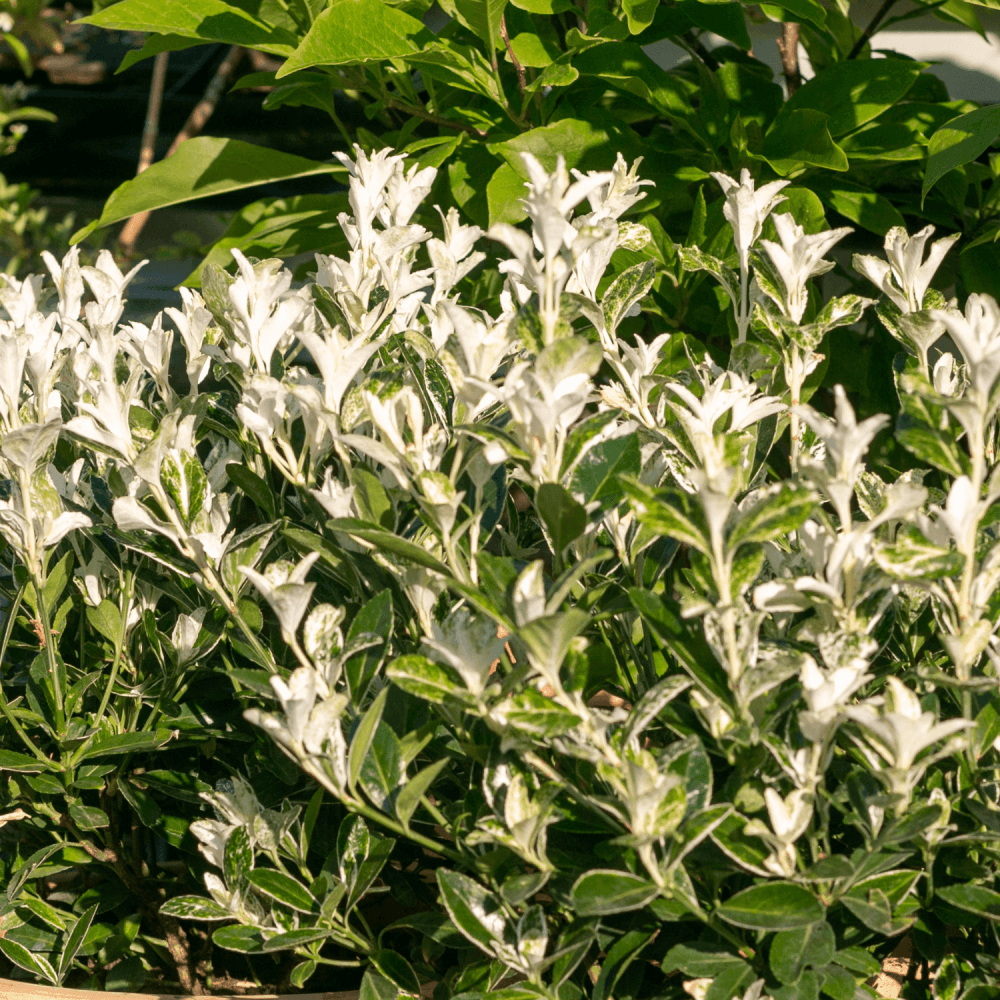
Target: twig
(195, 123)
(409, 109)
(788, 46)
(697, 47)
(152, 125)
(866, 35)
(513, 58)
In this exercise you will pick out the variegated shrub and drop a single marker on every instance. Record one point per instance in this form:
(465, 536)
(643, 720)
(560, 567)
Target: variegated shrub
(622, 673)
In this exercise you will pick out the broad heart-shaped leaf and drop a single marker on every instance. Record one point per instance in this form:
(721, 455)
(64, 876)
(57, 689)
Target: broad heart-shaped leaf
(564, 518)
(283, 888)
(977, 899)
(604, 891)
(959, 142)
(195, 908)
(478, 914)
(483, 18)
(802, 138)
(862, 205)
(201, 167)
(205, 20)
(853, 92)
(772, 906)
(354, 31)
(791, 951)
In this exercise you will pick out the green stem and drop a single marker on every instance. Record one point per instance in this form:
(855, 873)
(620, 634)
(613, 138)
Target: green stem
(119, 646)
(4, 707)
(50, 650)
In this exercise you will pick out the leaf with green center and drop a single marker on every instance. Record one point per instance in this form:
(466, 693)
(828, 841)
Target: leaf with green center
(195, 908)
(773, 906)
(791, 951)
(603, 892)
(477, 913)
(283, 888)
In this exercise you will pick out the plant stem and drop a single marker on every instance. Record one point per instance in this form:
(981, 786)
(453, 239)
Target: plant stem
(866, 35)
(521, 83)
(788, 46)
(409, 109)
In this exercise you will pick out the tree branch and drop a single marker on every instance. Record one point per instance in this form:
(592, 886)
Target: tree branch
(521, 84)
(788, 46)
(866, 35)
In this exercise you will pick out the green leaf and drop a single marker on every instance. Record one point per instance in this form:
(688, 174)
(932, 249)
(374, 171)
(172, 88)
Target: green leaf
(482, 17)
(475, 912)
(725, 19)
(296, 938)
(195, 908)
(564, 518)
(604, 891)
(127, 976)
(410, 794)
(776, 513)
(772, 906)
(861, 205)
(127, 743)
(22, 762)
(237, 858)
(87, 817)
(396, 969)
(802, 138)
(354, 31)
(958, 142)
(284, 889)
(383, 770)
(504, 192)
(802, 10)
(791, 951)
(37, 964)
(201, 167)
(423, 678)
(639, 13)
(75, 939)
(204, 20)
(364, 735)
(253, 486)
(855, 91)
(240, 938)
(628, 288)
(107, 619)
(977, 899)
(388, 542)
(701, 960)
(154, 45)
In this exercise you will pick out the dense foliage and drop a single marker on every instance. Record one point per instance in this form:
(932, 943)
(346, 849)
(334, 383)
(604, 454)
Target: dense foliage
(613, 671)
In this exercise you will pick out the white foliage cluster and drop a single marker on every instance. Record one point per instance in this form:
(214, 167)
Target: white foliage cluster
(377, 366)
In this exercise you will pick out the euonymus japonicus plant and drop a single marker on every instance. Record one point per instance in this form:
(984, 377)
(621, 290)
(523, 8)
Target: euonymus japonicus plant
(508, 651)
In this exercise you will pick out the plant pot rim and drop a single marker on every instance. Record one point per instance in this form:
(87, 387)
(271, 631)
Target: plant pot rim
(12, 990)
